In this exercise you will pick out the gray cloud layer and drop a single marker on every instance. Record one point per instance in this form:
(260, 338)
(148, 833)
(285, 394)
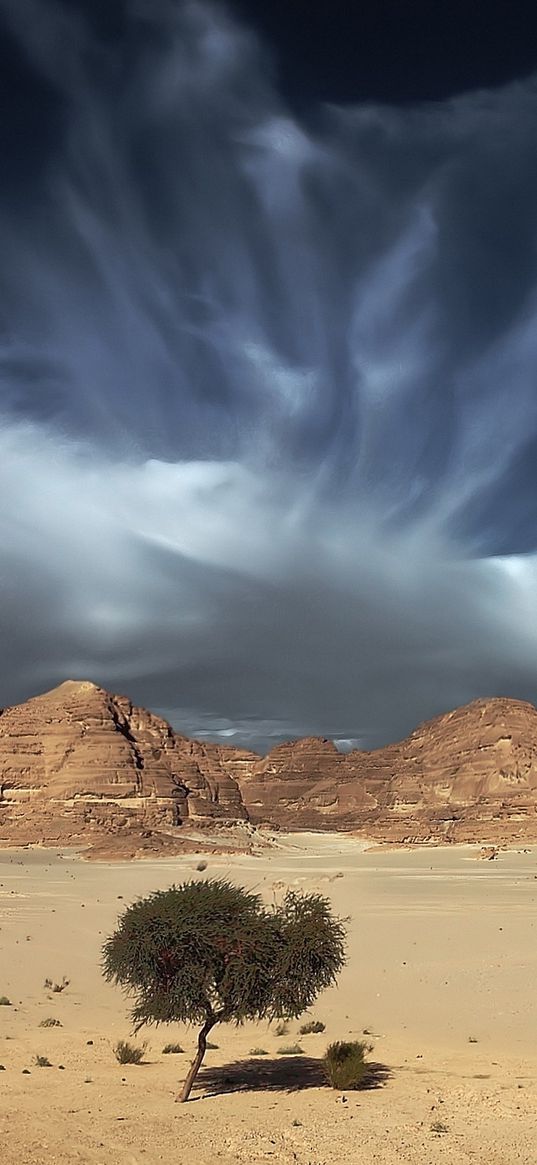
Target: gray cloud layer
(268, 390)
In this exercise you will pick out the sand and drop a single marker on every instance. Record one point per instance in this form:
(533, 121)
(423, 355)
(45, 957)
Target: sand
(442, 970)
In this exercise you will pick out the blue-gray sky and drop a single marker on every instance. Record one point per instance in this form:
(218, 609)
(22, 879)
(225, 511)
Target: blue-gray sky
(268, 373)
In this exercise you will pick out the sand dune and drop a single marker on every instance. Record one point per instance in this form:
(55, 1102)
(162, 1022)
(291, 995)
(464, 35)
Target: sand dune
(442, 966)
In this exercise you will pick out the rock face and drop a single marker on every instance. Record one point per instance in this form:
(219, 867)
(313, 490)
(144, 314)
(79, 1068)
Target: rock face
(78, 763)
(468, 775)
(79, 759)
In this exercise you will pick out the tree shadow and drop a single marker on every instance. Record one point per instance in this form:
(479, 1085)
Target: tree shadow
(284, 1074)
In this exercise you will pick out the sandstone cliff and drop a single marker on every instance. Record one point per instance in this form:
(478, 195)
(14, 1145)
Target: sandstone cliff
(468, 775)
(79, 760)
(80, 764)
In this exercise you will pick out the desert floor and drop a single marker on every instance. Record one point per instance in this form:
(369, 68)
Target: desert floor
(442, 971)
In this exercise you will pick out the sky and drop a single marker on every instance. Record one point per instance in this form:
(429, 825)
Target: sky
(268, 361)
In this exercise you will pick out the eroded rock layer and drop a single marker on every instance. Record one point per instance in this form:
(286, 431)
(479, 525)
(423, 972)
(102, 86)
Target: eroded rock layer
(78, 762)
(79, 759)
(469, 775)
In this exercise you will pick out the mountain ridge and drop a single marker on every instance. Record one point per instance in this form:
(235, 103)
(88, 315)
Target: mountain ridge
(79, 764)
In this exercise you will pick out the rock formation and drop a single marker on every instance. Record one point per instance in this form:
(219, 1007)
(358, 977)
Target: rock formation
(80, 764)
(79, 760)
(469, 775)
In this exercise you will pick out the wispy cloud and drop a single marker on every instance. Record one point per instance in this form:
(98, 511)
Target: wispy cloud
(269, 414)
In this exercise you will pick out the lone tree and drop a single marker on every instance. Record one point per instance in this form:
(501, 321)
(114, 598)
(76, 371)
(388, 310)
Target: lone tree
(208, 952)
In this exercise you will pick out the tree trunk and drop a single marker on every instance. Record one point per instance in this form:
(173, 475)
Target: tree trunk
(197, 1061)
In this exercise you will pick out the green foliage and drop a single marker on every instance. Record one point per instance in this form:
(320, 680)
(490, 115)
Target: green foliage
(126, 1053)
(172, 1050)
(50, 1022)
(42, 1062)
(345, 1065)
(291, 1050)
(4, 1001)
(208, 950)
(312, 1028)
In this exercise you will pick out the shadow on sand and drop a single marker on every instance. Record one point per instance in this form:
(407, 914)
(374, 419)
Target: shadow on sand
(286, 1074)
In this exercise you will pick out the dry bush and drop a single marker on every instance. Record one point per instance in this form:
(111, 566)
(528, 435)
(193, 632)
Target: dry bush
(126, 1053)
(345, 1065)
(312, 1028)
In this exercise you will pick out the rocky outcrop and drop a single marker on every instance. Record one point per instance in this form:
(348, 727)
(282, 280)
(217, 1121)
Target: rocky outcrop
(79, 764)
(468, 775)
(79, 759)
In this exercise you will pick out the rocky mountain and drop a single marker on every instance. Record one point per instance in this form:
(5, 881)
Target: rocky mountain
(469, 775)
(80, 764)
(78, 761)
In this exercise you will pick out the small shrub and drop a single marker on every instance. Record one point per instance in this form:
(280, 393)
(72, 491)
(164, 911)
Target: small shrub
(50, 1021)
(126, 1053)
(172, 1050)
(211, 1047)
(57, 987)
(312, 1028)
(439, 1127)
(344, 1063)
(258, 1052)
(42, 1062)
(472, 1040)
(4, 1001)
(281, 1028)
(50, 985)
(291, 1050)
(201, 866)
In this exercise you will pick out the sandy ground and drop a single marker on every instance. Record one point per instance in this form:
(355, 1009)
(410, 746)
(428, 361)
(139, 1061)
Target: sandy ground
(442, 970)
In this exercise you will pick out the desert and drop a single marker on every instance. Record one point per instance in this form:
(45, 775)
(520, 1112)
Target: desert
(440, 978)
(268, 583)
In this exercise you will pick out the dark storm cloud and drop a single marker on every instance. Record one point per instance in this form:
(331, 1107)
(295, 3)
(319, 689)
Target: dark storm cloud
(269, 406)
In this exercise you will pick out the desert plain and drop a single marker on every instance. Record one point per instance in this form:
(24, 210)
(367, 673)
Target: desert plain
(440, 979)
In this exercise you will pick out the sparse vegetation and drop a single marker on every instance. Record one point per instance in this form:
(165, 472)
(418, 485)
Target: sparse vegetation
(345, 1065)
(291, 1050)
(42, 1062)
(258, 1052)
(126, 1053)
(201, 866)
(50, 985)
(172, 1050)
(57, 987)
(4, 1001)
(472, 1040)
(281, 1029)
(50, 1021)
(313, 1027)
(209, 952)
(439, 1127)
